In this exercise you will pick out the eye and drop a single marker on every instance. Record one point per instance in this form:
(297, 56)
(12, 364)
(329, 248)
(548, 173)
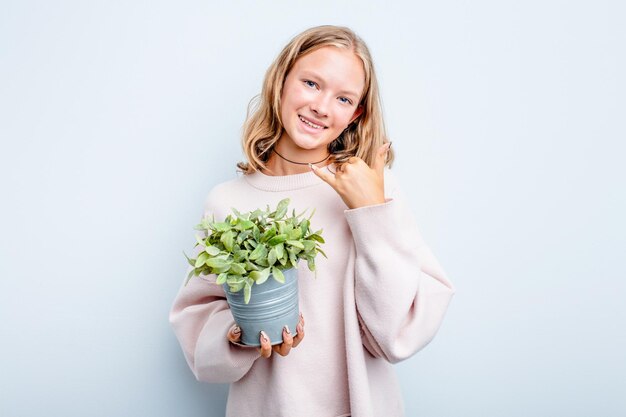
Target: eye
(347, 100)
(308, 81)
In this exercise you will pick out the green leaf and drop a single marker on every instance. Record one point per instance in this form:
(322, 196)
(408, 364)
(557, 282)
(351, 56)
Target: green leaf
(204, 225)
(255, 214)
(251, 266)
(317, 237)
(237, 286)
(247, 292)
(296, 243)
(244, 225)
(260, 276)
(309, 245)
(234, 279)
(281, 209)
(217, 262)
(300, 215)
(239, 255)
(259, 252)
(200, 241)
(191, 273)
(242, 236)
(190, 261)
(312, 213)
(201, 259)
(271, 256)
(280, 248)
(278, 275)
(295, 234)
(277, 239)
(221, 278)
(222, 227)
(227, 239)
(212, 250)
(293, 259)
(311, 264)
(239, 215)
(304, 227)
(269, 233)
(238, 269)
(322, 252)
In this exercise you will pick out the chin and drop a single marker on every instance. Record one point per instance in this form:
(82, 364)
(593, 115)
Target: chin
(310, 143)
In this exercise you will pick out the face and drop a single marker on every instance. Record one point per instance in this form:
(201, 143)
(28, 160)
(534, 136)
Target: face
(323, 88)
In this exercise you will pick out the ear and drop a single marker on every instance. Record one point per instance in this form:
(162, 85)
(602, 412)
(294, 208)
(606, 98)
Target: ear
(357, 113)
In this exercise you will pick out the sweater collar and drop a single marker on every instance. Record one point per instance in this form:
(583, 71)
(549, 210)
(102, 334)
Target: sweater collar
(286, 182)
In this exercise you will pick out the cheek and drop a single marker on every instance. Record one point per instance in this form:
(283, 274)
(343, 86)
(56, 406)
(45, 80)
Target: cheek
(346, 115)
(299, 97)
(286, 102)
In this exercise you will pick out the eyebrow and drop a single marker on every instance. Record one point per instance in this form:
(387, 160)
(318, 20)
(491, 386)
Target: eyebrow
(311, 74)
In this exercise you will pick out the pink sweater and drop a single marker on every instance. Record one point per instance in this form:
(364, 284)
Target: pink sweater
(378, 299)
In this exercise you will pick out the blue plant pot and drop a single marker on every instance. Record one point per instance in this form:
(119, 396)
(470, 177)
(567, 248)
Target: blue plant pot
(272, 306)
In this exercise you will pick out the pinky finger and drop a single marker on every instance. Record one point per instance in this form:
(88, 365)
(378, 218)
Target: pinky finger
(298, 338)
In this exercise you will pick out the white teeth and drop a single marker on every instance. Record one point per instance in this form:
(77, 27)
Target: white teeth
(310, 124)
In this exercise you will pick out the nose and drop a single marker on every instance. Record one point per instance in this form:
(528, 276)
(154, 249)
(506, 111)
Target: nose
(320, 105)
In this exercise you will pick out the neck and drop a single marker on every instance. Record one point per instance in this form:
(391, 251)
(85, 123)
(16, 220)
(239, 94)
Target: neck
(281, 166)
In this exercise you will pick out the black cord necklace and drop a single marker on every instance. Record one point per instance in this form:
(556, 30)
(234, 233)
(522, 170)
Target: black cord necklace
(301, 163)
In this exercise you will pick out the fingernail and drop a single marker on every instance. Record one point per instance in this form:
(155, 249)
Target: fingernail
(264, 336)
(301, 317)
(299, 328)
(287, 329)
(237, 330)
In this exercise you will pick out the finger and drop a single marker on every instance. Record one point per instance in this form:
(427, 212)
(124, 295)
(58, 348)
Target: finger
(234, 334)
(298, 338)
(323, 174)
(352, 162)
(266, 347)
(284, 348)
(381, 157)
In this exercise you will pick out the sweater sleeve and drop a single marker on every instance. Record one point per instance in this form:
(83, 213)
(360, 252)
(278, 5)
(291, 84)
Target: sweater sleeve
(401, 291)
(201, 318)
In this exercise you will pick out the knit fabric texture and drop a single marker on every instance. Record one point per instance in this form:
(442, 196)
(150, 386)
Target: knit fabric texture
(378, 299)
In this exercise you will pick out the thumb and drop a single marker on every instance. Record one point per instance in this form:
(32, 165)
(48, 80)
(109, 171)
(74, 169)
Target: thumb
(234, 334)
(381, 157)
(324, 174)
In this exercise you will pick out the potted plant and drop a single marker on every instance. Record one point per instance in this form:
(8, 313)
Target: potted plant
(255, 257)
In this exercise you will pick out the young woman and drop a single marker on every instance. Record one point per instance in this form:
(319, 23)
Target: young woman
(317, 137)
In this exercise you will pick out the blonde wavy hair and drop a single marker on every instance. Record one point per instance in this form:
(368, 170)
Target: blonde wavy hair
(263, 126)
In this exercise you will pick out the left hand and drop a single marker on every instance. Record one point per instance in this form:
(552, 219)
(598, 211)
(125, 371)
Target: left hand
(266, 348)
(356, 183)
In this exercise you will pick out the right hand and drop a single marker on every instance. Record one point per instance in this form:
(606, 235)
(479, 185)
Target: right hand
(289, 341)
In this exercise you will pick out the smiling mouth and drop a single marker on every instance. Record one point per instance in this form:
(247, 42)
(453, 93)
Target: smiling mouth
(310, 124)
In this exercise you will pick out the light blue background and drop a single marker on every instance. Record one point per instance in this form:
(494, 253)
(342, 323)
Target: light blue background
(507, 117)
